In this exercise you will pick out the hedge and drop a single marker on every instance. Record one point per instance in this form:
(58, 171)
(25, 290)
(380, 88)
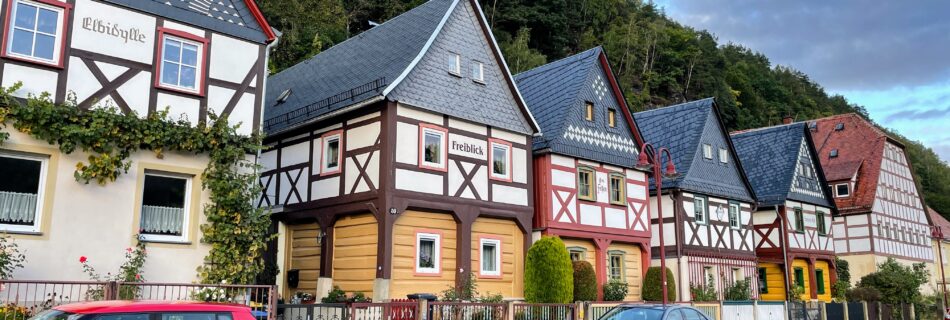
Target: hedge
(548, 276)
(652, 287)
(585, 282)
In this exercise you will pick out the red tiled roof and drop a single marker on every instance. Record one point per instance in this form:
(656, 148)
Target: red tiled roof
(860, 148)
(940, 222)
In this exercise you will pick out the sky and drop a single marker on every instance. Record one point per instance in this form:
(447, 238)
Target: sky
(892, 57)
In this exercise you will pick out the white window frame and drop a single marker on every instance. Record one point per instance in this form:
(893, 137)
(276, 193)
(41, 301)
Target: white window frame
(325, 169)
(186, 215)
(40, 193)
(199, 65)
(478, 72)
(846, 194)
(57, 38)
(507, 148)
(707, 151)
(738, 216)
(436, 253)
(455, 69)
(723, 156)
(705, 207)
(481, 255)
(443, 151)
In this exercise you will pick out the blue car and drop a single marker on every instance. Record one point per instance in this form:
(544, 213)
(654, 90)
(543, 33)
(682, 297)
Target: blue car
(654, 312)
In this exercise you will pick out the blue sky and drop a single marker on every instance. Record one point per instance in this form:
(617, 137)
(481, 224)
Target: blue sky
(892, 57)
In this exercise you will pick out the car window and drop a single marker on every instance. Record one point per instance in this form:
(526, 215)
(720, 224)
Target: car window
(224, 316)
(51, 314)
(691, 314)
(189, 316)
(674, 315)
(633, 314)
(123, 316)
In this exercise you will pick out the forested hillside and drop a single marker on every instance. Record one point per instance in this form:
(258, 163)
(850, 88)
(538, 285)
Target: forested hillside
(658, 61)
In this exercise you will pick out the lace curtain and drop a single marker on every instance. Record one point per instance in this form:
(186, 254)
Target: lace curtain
(17, 208)
(162, 220)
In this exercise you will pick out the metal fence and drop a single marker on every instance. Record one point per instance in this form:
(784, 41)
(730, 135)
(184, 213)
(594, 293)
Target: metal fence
(399, 310)
(804, 311)
(543, 311)
(322, 311)
(712, 309)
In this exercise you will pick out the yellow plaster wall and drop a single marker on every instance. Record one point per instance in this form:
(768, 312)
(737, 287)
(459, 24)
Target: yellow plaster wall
(590, 253)
(775, 280)
(355, 244)
(511, 283)
(404, 278)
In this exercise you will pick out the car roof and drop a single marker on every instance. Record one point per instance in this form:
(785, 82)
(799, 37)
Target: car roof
(148, 306)
(653, 306)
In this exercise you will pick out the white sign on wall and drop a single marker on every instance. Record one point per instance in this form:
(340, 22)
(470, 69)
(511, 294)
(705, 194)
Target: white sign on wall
(468, 147)
(602, 187)
(810, 220)
(113, 31)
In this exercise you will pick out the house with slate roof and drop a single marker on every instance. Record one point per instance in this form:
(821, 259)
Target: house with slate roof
(793, 236)
(708, 206)
(881, 213)
(399, 161)
(586, 188)
(196, 58)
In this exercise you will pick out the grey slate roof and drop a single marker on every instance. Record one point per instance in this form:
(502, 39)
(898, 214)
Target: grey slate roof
(231, 17)
(556, 93)
(770, 158)
(684, 128)
(366, 66)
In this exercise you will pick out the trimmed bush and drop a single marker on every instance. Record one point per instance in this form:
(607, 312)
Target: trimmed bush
(653, 288)
(548, 275)
(585, 282)
(615, 290)
(740, 290)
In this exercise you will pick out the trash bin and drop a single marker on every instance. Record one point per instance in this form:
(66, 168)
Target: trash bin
(424, 296)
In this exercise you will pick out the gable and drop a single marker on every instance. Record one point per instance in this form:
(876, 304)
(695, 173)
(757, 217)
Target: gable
(430, 85)
(806, 183)
(710, 175)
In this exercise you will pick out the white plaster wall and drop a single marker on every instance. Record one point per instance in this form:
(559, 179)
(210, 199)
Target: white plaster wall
(232, 58)
(90, 40)
(35, 81)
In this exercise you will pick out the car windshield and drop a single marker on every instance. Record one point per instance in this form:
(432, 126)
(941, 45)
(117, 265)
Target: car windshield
(51, 315)
(633, 313)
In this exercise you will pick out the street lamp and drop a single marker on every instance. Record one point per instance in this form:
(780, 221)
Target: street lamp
(646, 162)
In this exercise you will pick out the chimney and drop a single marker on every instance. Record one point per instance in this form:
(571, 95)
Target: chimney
(787, 120)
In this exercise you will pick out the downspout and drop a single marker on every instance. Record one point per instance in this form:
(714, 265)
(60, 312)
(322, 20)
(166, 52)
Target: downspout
(679, 244)
(782, 217)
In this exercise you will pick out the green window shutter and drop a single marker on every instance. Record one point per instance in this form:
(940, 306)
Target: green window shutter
(800, 277)
(820, 280)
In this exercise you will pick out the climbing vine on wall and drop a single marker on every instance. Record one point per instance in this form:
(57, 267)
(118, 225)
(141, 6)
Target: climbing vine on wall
(236, 229)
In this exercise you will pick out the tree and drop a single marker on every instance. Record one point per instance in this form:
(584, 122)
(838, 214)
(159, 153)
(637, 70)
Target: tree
(585, 281)
(548, 275)
(519, 56)
(653, 288)
(896, 283)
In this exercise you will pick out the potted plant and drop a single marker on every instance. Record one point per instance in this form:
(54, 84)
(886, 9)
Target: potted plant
(305, 297)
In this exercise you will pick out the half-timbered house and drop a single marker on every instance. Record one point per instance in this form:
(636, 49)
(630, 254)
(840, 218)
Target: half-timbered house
(139, 56)
(586, 188)
(708, 207)
(881, 214)
(399, 161)
(793, 236)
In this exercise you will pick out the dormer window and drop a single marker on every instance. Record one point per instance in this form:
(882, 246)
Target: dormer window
(589, 111)
(35, 31)
(842, 190)
(834, 153)
(707, 151)
(455, 64)
(612, 118)
(478, 72)
(839, 126)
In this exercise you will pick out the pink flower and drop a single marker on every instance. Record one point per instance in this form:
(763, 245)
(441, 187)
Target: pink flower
(82, 259)
(138, 277)
(129, 250)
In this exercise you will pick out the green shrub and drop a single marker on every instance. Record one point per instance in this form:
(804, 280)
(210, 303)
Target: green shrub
(336, 295)
(585, 282)
(739, 290)
(548, 276)
(704, 293)
(652, 287)
(839, 290)
(615, 290)
(864, 294)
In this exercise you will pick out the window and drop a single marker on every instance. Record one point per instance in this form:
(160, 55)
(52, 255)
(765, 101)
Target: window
(122, 316)
(842, 190)
(500, 160)
(800, 278)
(700, 209)
(690, 314)
(799, 220)
(331, 152)
(839, 126)
(577, 253)
(478, 72)
(21, 191)
(763, 281)
(615, 265)
(834, 153)
(428, 253)
(737, 274)
(820, 280)
(820, 219)
(734, 216)
(589, 111)
(710, 276)
(490, 257)
(723, 156)
(675, 314)
(165, 207)
(186, 316)
(612, 118)
(707, 151)
(36, 31)
(455, 64)
(432, 142)
(618, 193)
(182, 57)
(585, 184)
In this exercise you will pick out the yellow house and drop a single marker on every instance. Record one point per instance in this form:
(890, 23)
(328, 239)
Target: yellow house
(941, 247)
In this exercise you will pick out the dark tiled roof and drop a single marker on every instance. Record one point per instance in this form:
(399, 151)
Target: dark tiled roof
(770, 158)
(683, 128)
(860, 148)
(555, 91)
(231, 17)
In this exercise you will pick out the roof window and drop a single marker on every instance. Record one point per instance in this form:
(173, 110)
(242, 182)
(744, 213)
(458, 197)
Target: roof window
(834, 153)
(839, 126)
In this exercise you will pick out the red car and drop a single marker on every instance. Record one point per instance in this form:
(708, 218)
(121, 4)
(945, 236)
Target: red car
(146, 310)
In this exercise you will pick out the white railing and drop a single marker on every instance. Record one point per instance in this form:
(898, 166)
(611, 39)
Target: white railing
(164, 220)
(17, 208)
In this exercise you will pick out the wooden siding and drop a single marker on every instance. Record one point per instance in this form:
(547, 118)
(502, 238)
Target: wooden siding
(511, 283)
(590, 253)
(633, 262)
(404, 278)
(826, 273)
(354, 253)
(304, 255)
(774, 280)
(799, 263)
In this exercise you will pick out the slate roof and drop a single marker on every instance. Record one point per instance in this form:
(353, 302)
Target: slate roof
(681, 128)
(232, 17)
(770, 158)
(362, 68)
(553, 92)
(860, 151)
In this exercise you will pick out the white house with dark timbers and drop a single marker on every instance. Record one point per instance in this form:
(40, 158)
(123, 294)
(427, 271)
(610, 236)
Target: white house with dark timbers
(192, 57)
(399, 161)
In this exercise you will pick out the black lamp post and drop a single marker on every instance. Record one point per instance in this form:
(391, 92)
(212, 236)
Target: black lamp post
(647, 162)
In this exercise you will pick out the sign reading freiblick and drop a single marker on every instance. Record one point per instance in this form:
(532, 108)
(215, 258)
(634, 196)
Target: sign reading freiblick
(468, 147)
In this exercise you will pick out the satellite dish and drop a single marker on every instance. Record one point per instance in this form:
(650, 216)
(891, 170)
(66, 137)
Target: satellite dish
(283, 96)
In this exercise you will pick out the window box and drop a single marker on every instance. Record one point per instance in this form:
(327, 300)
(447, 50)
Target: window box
(433, 143)
(428, 257)
(165, 207)
(35, 31)
(489, 257)
(332, 153)
(586, 183)
(180, 62)
(22, 191)
(500, 155)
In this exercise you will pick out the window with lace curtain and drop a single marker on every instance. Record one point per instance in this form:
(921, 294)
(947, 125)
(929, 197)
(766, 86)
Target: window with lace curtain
(165, 207)
(428, 253)
(21, 181)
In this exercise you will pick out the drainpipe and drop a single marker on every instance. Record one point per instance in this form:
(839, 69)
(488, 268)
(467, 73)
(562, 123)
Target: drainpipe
(782, 218)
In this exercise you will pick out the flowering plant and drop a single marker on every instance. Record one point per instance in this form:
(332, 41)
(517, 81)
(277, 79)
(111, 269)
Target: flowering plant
(10, 258)
(129, 271)
(211, 294)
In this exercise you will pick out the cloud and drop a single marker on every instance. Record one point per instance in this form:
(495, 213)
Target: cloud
(844, 45)
(918, 114)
